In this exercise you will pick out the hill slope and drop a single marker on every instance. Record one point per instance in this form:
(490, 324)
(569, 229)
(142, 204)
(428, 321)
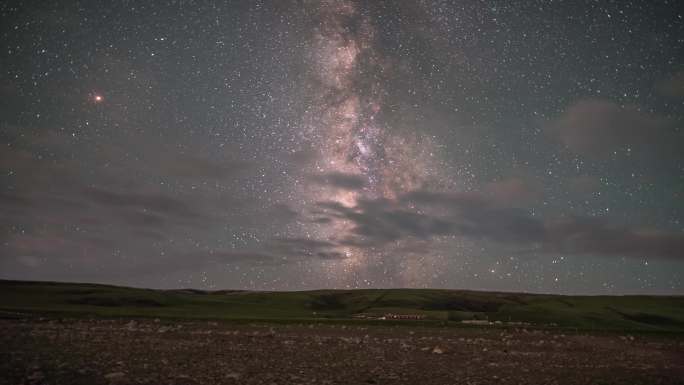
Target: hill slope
(647, 313)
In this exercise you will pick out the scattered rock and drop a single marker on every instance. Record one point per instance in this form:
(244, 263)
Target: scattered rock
(36, 376)
(108, 354)
(437, 350)
(115, 375)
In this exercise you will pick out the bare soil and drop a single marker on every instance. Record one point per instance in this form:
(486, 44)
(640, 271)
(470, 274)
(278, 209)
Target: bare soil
(43, 351)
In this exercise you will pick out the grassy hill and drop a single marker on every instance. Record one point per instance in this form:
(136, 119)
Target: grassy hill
(445, 307)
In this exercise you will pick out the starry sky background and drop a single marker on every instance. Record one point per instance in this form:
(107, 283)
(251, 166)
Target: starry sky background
(496, 145)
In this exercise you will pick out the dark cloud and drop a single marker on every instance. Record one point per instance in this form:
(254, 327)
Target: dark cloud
(332, 255)
(233, 256)
(424, 214)
(592, 236)
(445, 199)
(304, 248)
(58, 214)
(13, 200)
(160, 203)
(282, 213)
(321, 220)
(381, 221)
(144, 219)
(196, 167)
(513, 191)
(339, 180)
(673, 86)
(477, 215)
(598, 128)
(303, 243)
(149, 234)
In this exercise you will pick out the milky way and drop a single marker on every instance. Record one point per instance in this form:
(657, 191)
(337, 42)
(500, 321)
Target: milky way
(303, 144)
(345, 126)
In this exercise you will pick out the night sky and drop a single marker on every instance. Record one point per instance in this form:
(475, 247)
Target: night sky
(491, 145)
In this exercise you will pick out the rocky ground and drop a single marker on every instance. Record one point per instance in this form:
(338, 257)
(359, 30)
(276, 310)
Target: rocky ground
(41, 351)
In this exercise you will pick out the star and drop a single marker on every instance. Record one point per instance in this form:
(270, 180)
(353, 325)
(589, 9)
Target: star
(345, 143)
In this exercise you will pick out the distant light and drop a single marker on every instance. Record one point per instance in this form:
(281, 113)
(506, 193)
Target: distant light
(98, 98)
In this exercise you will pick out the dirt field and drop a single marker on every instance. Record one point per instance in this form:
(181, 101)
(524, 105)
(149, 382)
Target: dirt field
(149, 352)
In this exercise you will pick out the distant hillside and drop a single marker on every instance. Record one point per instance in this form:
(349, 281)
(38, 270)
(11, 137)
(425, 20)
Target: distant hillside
(443, 307)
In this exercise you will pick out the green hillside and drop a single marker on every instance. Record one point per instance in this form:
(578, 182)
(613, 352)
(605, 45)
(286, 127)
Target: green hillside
(442, 307)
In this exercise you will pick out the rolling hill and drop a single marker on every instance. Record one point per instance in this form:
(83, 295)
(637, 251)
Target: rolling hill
(436, 307)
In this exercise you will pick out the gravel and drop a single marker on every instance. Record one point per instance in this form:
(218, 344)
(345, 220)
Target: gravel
(43, 351)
